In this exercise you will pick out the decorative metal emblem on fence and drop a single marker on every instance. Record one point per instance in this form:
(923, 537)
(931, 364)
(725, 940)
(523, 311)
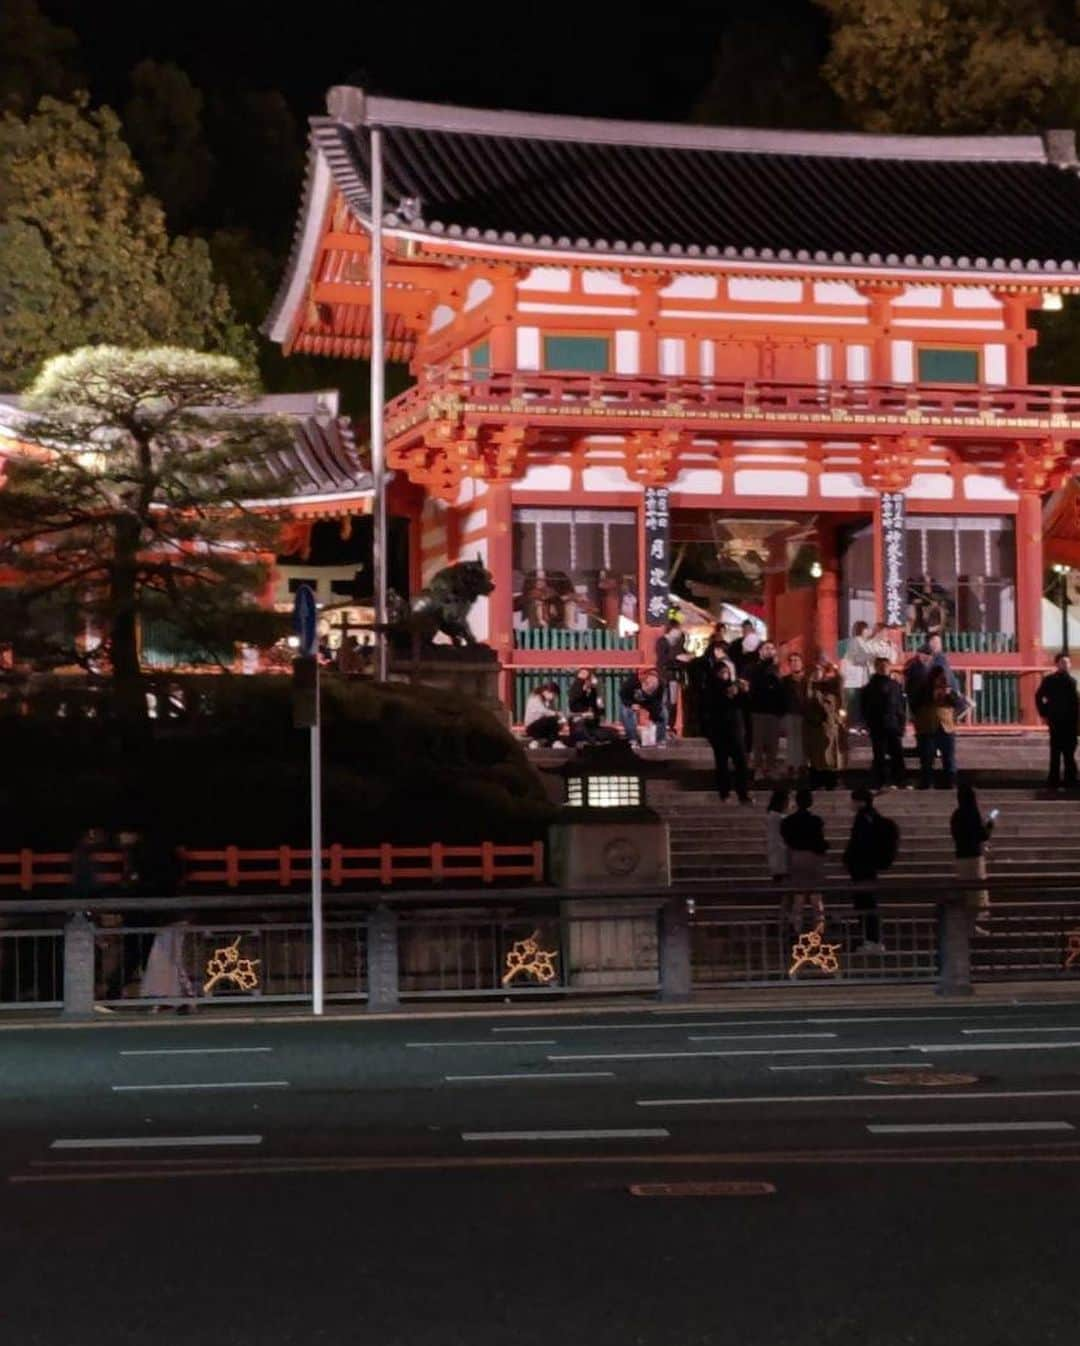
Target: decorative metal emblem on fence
(527, 959)
(811, 948)
(227, 965)
(1072, 947)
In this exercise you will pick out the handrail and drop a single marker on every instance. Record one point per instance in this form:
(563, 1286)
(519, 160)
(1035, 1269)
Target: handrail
(233, 866)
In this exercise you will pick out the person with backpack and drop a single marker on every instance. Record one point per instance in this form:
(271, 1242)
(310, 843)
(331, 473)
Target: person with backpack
(803, 833)
(871, 849)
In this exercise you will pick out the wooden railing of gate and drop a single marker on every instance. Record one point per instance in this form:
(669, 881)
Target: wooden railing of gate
(286, 866)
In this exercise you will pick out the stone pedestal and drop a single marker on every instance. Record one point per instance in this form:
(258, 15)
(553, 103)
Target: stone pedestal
(473, 671)
(615, 854)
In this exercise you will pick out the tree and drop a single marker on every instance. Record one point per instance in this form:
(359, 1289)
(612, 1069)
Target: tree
(84, 254)
(140, 505)
(37, 57)
(164, 124)
(955, 65)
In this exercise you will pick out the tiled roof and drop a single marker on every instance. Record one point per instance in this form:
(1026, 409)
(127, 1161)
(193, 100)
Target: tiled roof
(1001, 203)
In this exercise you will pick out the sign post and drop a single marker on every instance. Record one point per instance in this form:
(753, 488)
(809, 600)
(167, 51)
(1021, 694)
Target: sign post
(306, 715)
(657, 556)
(893, 559)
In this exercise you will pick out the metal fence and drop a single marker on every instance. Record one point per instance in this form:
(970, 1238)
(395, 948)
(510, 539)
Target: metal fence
(31, 967)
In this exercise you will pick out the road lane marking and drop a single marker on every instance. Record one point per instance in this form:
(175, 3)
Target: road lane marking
(528, 1042)
(740, 1051)
(225, 1084)
(820, 1051)
(898, 1019)
(759, 1037)
(550, 1075)
(927, 1128)
(626, 1133)
(851, 1098)
(151, 1142)
(191, 1051)
(973, 1031)
(901, 1019)
(863, 1065)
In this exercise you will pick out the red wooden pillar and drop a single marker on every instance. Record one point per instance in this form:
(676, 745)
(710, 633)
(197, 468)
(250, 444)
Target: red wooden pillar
(827, 609)
(1029, 595)
(501, 603)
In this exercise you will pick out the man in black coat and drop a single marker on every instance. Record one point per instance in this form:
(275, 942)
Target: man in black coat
(1059, 705)
(884, 713)
(722, 714)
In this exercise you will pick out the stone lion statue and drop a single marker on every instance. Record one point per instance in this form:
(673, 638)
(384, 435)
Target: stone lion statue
(444, 605)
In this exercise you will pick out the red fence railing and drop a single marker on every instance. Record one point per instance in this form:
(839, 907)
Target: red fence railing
(286, 866)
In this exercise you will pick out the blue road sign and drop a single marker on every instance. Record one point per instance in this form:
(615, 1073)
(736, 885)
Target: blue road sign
(305, 622)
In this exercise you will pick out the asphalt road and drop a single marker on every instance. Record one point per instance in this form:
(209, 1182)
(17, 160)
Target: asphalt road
(428, 1182)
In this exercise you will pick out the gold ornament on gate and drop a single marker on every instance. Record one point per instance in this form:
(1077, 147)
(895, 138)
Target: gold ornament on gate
(1072, 947)
(811, 948)
(227, 965)
(526, 958)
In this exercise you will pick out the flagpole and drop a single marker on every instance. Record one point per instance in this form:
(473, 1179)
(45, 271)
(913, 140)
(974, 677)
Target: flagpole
(378, 398)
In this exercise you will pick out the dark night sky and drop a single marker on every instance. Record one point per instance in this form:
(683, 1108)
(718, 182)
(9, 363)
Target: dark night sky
(583, 58)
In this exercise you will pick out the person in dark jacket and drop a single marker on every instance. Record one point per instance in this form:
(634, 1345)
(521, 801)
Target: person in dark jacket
(642, 697)
(803, 833)
(586, 707)
(722, 713)
(768, 705)
(671, 658)
(884, 713)
(970, 833)
(861, 860)
(1059, 705)
(917, 677)
(796, 692)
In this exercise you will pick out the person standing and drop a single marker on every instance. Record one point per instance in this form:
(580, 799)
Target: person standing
(970, 833)
(768, 705)
(939, 659)
(855, 668)
(871, 848)
(884, 714)
(824, 725)
(641, 697)
(803, 833)
(777, 858)
(935, 729)
(796, 690)
(670, 658)
(743, 651)
(723, 724)
(1058, 703)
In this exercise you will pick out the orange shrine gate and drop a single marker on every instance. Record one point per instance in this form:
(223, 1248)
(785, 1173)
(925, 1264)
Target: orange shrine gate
(768, 332)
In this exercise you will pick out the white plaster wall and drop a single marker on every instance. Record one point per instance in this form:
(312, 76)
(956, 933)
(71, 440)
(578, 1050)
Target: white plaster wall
(474, 522)
(844, 486)
(604, 282)
(986, 488)
(930, 486)
(699, 481)
(765, 291)
(759, 481)
(546, 477)
(903, 361)
(707, 359)
(443, 315)
(480, 613)
(919, 296)
(478, 291)
(977, 296)
(824, 361)
(528, 348)
(627, 352)
(858, 363)
(546, 278)
(995, 365)
(672, 355)
(608, 479)
(837, 292)
(691, 287)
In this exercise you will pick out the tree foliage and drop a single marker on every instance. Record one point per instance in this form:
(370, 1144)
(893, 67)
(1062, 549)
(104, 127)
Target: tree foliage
(84, 254)
(140, 505)
(163, 121)
(37, 57)
(956, 66)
